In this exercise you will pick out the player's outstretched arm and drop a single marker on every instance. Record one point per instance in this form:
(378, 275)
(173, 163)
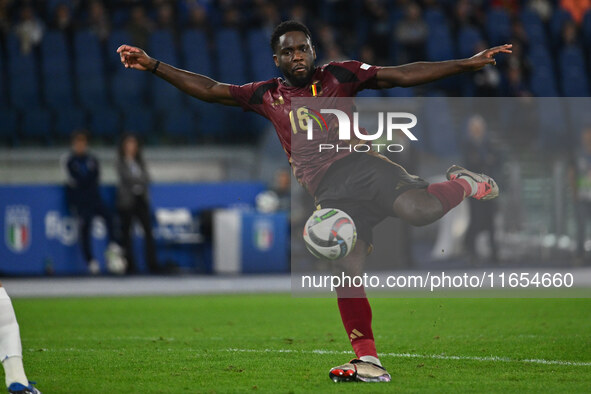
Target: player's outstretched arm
(423, 72)
(198, 86)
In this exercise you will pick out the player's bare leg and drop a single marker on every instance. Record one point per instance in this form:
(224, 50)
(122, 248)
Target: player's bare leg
(356, 315)
(420, 207)
(11, 353)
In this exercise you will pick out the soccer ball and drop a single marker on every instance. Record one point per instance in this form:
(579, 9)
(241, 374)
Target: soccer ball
(116, 263)
(330, 234)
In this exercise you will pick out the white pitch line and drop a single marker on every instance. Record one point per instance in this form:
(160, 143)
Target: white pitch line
(431, 356)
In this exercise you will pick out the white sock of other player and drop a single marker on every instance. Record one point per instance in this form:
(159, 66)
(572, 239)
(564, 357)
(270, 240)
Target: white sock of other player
(371, 359)
(11, 352)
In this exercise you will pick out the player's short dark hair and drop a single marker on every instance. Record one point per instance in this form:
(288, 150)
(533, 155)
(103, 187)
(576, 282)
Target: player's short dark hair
(286, 27)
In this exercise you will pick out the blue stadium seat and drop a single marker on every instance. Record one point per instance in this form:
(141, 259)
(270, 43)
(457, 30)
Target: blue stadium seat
(434, 17)
(260, 56)
(128, 88)
(57, 90)
(105, 122)
(164, 96)
(468, 38)
(586, 29)
(440, 126)
(559, 17)
(92, 91)
(498, 27)
(439, 44)
(89, 66)
(138, 120)
(552, 119)
(574, 83)
(115, 39)
(195, 51)
(3, 90)
(539, 56)
(230, 57)
(571, 57)
(400, 92)
(37, 123)
(54, 54)
(22, 75)
(88, 56)
(68, 119)
(543, 83)
(162, 47)
(533, 26)
(9, 125)
(180, 123)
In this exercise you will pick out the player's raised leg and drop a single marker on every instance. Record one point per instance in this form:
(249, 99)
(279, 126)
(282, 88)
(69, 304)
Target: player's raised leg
(424, 206)
(11, 349)
(356, 316)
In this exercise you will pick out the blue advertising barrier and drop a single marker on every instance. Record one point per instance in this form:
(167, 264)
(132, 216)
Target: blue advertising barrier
(40, 236)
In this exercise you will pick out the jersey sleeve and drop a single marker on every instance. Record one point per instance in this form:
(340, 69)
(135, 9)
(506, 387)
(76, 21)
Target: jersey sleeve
(355, 75)
(251, 95)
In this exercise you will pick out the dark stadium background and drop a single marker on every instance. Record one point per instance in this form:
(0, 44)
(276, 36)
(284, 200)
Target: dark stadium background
(60, 72)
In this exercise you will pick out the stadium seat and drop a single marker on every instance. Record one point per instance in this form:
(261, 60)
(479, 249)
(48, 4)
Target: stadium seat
(22, 75)
(115, 39)
(104, 122)
(498, 27)
(586, 29)
(559, 17)
(88, 56)
(3, 76)
(37, 123)
(434, 17)
(129, 88)
(54, 54)
(552, 123)
(539, 56)
(440, 126)
(195, 52)
(400, 92)
(57, 90)
(574, 83)
(162, 46)
(468, 39)
(230, 57)
(543, 83)
(260, 56)
(180, 124)
(533, 26)
(439, 44)
(9, 125)
(68, 119)
(138, 120)
(164, 96)
(89, 66)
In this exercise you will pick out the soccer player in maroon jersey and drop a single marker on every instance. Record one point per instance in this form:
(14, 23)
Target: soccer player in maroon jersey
(338, 180)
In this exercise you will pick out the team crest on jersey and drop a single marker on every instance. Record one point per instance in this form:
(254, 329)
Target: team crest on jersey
(316, 88)
(17, 227)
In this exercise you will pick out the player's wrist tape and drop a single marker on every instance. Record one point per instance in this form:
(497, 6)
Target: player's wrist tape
(156, 66)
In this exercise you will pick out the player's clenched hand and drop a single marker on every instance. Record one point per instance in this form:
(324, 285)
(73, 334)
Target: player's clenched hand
(136, 58)
(487, 56)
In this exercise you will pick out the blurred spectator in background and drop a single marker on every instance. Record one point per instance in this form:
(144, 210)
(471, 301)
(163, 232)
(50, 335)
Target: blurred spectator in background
(569, 34)
(282, 187)
(165, 19)
(29, 29)
(479, 154)
(197, 17)
(515, 86)
(140, 26)
(379, 35)
(62, 19)
(4, 17)
(577, 8)
(133, 200)
(541, 7)
(98, 19)
(411, 33)
(84, 198)
(580, 180)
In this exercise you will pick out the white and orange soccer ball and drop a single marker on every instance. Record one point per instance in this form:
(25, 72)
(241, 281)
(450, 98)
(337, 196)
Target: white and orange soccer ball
(330, 234)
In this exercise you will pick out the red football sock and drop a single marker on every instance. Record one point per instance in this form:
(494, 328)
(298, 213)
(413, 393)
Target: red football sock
(356, 315)
(450, 193)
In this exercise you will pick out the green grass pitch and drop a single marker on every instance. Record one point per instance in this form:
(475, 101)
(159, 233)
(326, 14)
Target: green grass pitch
(279, 344)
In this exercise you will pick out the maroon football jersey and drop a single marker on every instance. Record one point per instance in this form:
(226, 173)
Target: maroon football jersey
(272, 99)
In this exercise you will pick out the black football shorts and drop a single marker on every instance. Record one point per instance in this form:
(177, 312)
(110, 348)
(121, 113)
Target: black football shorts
(365, 186)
